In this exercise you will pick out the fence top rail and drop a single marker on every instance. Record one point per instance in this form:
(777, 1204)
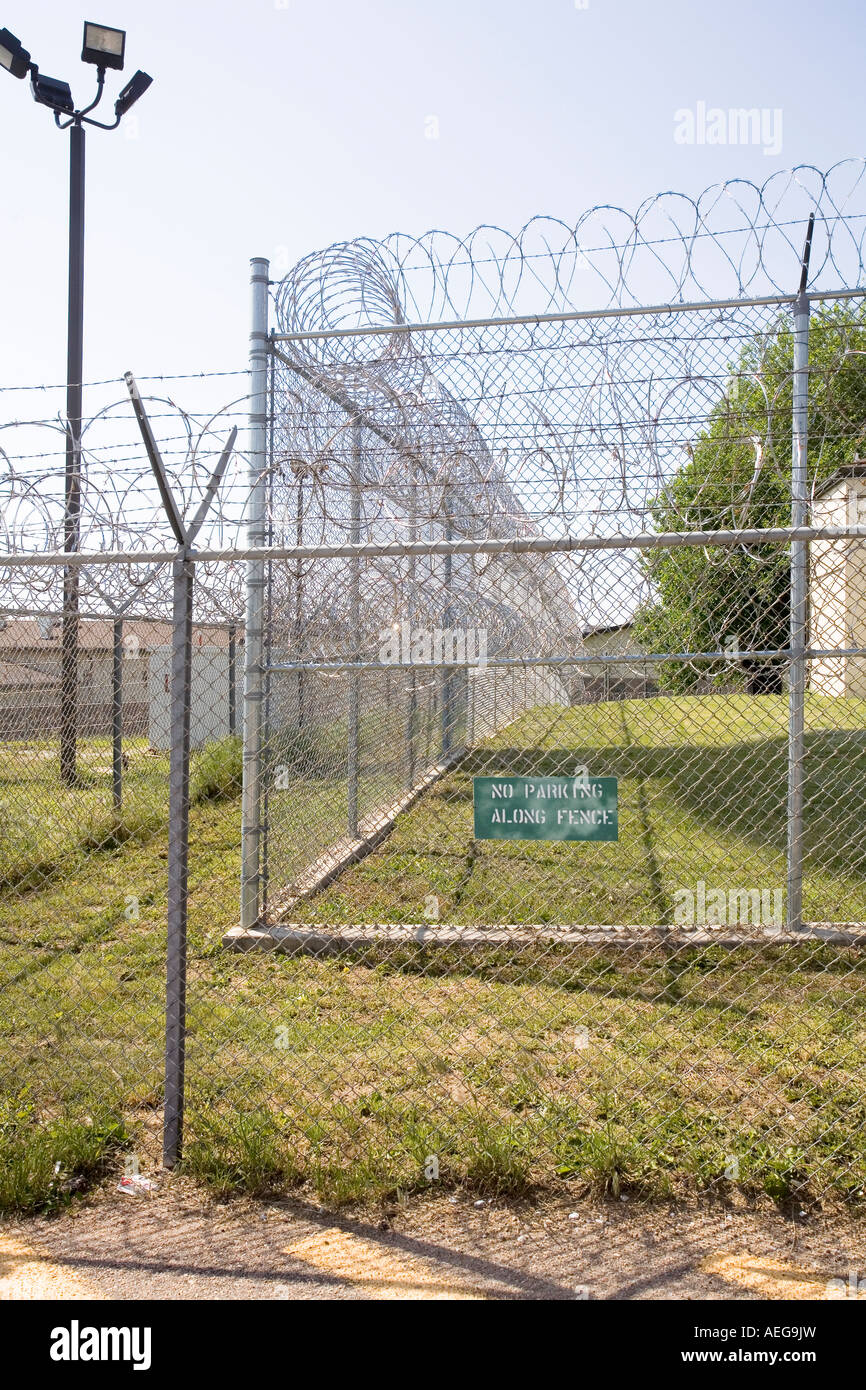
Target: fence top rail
(565, 316)
(9, 611)
(497, 545)
(552, 659)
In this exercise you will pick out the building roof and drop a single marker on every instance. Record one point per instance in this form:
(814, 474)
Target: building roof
(603, 631)
(96, 634)
(857, 469)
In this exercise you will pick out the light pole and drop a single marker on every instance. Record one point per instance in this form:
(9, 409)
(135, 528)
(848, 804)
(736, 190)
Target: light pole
(104, 48)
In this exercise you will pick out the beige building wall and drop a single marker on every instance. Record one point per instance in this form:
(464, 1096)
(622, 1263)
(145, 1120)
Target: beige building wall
(604, 680)
(837, 591)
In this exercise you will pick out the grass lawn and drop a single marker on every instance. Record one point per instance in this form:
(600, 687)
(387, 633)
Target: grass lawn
(645, 1069)
(301, 827)
(44, 824)
(702, 796)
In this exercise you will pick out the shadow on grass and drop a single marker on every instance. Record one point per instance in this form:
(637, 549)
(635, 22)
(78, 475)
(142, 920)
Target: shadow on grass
(738, 789)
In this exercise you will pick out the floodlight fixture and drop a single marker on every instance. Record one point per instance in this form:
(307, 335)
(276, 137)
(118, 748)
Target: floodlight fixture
(13, 56)
(50, 91)
(103, 46)
(135, 88)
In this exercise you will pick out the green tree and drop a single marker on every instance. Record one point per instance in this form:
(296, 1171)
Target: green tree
(738, 476)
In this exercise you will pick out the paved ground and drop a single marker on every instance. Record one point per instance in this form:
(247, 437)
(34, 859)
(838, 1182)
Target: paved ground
(178, 1245)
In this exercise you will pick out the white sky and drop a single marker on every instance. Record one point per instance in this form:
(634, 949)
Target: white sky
(276, 128)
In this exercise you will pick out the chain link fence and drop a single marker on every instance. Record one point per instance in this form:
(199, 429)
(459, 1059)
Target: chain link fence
(541, 800)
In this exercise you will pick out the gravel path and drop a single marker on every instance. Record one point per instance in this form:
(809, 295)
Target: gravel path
(179, 1245)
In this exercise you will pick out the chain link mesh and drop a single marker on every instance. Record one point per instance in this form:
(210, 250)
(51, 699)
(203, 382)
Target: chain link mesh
(429, 995)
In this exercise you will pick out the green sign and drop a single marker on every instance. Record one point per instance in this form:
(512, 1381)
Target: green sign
(545, 808)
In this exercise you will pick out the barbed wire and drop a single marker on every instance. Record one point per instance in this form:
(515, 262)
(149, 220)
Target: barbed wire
(497, 424)
(118, 380)
(500, 428)
(120, 503)
(736, 239)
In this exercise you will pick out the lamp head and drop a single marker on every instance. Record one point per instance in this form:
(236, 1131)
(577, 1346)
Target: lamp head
(135, 88)
(13, 57)
(103, 46)
(50, 91)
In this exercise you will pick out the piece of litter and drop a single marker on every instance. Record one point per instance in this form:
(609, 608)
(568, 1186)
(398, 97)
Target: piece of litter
(479, 1204)
(135, 1184)
(574, 1216)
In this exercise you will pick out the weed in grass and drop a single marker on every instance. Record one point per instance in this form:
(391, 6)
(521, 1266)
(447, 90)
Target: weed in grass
(112, 829)
(498, 1163)
(602, 1155)
(342, 1184)
(43, 1164)
(217, 771)
(239, 1152)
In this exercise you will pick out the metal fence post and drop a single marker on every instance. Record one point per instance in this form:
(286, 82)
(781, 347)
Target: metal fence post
(799, 597)
(117, 713)
(233, 676)
(251, 797)
(298, 620)
(178, 858)
(178, 773)
(354, 720)
(411, 689)
(448, 673)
